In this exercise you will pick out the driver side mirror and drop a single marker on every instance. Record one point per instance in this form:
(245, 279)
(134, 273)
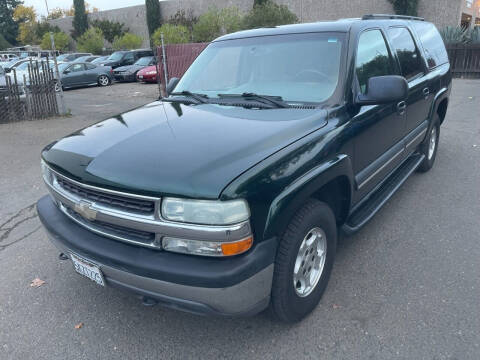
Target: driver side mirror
(171, 84)
(66, 72)
(384, 90)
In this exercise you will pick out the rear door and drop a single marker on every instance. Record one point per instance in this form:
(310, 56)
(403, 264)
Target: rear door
(379, 128)
(413, 68)
(91, 73)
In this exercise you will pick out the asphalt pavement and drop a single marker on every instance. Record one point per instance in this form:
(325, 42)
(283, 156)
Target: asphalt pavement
(407, 286)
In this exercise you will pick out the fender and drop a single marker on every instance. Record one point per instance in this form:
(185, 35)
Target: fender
(439, 96)
(295, 194)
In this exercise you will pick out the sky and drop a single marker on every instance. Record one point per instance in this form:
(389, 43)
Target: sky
(39, 5)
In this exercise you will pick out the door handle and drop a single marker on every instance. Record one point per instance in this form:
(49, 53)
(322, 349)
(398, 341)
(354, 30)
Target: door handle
(401, 107)
(426, 92)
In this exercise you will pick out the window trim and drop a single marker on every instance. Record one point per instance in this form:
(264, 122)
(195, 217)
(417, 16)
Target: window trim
(417, 49)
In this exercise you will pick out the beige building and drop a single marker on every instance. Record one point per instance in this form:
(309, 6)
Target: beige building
(440, 12)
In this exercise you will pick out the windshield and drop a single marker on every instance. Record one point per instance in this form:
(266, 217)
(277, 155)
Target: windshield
(62, 57)
(62, 67)
(116, 56)
(144, 61)
(297, 67)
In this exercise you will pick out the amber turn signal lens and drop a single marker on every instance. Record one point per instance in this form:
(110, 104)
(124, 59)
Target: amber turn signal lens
(237, 247)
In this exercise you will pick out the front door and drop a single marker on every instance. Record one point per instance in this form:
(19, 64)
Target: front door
(74, 75)
(378, 128)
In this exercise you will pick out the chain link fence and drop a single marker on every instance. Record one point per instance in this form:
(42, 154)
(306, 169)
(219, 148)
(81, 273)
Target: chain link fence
(28, 94)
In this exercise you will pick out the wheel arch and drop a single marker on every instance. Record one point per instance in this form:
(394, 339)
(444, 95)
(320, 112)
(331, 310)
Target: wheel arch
(330, 182)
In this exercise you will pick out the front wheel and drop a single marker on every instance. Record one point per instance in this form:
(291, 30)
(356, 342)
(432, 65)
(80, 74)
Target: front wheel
(429, 148)
(103, 80)
(304, 261)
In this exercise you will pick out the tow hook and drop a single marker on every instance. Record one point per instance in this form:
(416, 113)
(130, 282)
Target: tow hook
(62, 256)
(146, 301)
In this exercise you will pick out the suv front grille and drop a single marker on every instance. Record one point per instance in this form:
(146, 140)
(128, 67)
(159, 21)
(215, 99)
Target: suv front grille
(127, 204)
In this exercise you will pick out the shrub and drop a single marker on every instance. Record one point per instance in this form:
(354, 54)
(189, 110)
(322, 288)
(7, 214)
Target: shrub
(4, 44)
(268, 14)
(91, 41)
(215, 23)
(454, 35)
(186, 19)
(405, 7)
(127, 42)
(62, 41)
(110, 29)
(172, 34)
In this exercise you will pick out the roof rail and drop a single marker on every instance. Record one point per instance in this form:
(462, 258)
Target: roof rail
(388, 16)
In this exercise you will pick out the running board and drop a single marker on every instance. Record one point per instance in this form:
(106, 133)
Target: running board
(376, 200)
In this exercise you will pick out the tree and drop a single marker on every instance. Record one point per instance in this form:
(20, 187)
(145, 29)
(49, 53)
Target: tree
(215, 23)
(405, 7)
(127, 42)
(259, 2)
(91, 41)
(110, 29)
(55, 13)
(8, 26)
(44, 27)
(26, 18)
(172, 34)
(80, 20)
(4, 44)
(154, 20)
(183, 18)
(268, 14)
(62, 41)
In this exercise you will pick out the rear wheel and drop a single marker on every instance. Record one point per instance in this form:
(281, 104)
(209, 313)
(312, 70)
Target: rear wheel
(429, 147)
(103, 80)
(57, 86)
(304, 262)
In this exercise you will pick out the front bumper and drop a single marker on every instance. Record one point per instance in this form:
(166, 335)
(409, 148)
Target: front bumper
(124, 77)
(236, 286)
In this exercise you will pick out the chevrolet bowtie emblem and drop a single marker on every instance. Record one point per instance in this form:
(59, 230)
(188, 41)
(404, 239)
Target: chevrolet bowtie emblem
(85, 209)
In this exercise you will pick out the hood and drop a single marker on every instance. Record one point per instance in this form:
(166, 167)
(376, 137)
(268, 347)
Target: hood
(131, 68)
(147, 69)
(174, 149)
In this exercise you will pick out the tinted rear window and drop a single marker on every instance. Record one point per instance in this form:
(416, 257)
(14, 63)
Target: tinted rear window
(432, 43)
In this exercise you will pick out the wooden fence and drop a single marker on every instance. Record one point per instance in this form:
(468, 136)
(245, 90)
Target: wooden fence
(465, 60)
(28, 96)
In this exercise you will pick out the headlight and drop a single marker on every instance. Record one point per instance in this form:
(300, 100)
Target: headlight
(151, 72)
(46, 172)
(205, 212)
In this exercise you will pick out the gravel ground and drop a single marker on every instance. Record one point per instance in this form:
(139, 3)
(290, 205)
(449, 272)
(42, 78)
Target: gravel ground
(407, 286)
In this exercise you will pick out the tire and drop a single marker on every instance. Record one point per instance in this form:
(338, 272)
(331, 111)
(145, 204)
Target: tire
(426, 148)
(291, 299)
(103, 80)
(57, 86)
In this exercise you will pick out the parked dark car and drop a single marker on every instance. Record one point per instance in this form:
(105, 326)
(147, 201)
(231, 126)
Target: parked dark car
(228, 195)
(100, 60)
(83, 74)
(87, 58)
(123, 58)
(71, 57)
(129, 72)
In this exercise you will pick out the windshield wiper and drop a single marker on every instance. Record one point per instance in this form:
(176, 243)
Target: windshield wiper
(200, 98)
(276, 101)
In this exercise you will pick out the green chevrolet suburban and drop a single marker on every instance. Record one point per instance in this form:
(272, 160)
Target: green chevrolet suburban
(227, 196)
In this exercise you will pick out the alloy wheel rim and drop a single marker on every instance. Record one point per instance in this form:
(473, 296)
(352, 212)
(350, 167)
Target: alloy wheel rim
(104, 80)
(57, 87)
(432, 143)
(310, 262)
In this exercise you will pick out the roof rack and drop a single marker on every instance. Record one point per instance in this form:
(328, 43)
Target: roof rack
(388, 16)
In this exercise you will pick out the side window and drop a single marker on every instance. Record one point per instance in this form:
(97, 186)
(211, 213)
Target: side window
(90, 66)
(407, 52)
(373, 58)
(432, 43)
(129, 58)
(76, 68)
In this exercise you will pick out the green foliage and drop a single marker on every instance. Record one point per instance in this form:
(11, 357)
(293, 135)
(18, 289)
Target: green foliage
(454, 35)
(183, 18)
(91, 41)
(44, 27)
(153, 15)
(172, 34)
(259, 2)
(4, 44)
(8, 26)
(268, 14)
(475, 35)
(128, 41)
(110, 29)
(62, 41)
(215, 23)
(405, 7)
(80, 20)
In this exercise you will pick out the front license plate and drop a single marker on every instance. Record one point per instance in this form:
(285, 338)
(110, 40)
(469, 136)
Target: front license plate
(87, 269)
(140, 76)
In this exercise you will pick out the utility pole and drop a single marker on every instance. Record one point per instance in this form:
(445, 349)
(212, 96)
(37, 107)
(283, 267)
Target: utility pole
(57, 73)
